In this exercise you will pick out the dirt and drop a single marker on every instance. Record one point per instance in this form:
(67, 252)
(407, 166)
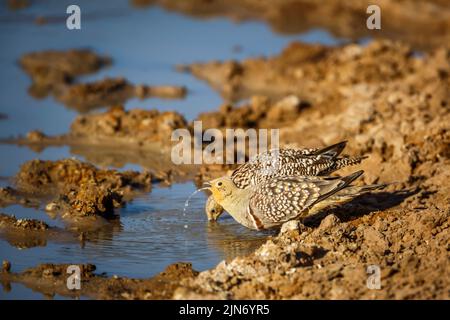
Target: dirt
(423, 24)
(56, 72)
(51, 279)
(9, 196)
(392, 106)
(135, 128)
(30, 233)
(81, 193)
(259, 112)
(117, 137)
(51, 70)
(111, 91)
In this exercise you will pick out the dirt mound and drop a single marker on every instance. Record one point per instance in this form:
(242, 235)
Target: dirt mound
(39, 176)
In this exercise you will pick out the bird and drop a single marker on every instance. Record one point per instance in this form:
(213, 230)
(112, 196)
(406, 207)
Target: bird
(285, 162)
(273, 202)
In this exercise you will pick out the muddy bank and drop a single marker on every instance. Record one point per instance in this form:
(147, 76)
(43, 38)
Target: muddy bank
(83, 195)
(50, 70)
(313, 73)
(392, 106)
(30, 233)
(259, 112)
(9, 196)
(136, 128)
(51, 279)
(427, 22)
(112, 91)
(330, 262)
(56, 72)
(117, 137)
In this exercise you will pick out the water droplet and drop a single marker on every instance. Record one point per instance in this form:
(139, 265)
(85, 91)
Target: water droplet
(186, 204)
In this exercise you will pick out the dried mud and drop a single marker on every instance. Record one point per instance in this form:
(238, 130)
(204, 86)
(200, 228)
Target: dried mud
(423, 24)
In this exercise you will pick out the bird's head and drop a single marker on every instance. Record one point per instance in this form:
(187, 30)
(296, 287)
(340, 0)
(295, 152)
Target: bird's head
(222, 189)
(213, 209)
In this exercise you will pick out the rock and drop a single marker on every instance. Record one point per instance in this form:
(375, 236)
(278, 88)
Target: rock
(6, 266)
(329, 222)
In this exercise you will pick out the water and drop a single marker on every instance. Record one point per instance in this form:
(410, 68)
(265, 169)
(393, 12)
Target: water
(145, 46)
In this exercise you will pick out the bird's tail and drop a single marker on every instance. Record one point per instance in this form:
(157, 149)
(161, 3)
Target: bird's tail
(353, 191)
(345, 195)
(331, 151)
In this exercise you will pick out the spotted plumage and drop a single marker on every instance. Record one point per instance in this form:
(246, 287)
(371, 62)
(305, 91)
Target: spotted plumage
(273, 202)
(286, 162)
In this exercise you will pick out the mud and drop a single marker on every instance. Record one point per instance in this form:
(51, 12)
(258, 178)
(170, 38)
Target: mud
(9, 196)
(117, 137)
(56, 72)
(30, 233)
(51, 279)
(427, 22)
(52, 70)
(78, 191)
(136, 128)
(259, 112)
(112, 91)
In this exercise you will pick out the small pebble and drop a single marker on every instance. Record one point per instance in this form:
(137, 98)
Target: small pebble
(6, 266)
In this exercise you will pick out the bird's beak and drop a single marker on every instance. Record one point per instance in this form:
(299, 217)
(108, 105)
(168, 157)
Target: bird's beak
(207, 185)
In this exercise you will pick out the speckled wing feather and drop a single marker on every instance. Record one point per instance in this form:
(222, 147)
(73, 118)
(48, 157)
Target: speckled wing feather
(284, 198)
(290, 162)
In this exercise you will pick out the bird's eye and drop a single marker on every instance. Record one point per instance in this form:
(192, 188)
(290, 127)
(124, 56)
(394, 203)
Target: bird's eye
(219, 183)
(213, 211)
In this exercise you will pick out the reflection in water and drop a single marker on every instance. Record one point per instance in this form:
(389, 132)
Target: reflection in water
(232, 240)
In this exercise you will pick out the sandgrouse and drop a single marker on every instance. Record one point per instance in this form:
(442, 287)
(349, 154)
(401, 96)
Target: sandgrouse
(273, 202)
(285, 162)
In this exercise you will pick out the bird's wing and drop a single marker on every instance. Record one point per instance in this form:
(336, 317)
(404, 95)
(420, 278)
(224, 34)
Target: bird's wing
(285, 198)
(279, 162)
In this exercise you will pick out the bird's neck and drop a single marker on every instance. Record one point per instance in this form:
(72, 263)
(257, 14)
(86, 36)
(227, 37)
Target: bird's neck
(237, 203)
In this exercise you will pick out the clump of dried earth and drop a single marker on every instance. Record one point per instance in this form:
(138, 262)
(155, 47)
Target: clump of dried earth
(77, 190)
(56, 72)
